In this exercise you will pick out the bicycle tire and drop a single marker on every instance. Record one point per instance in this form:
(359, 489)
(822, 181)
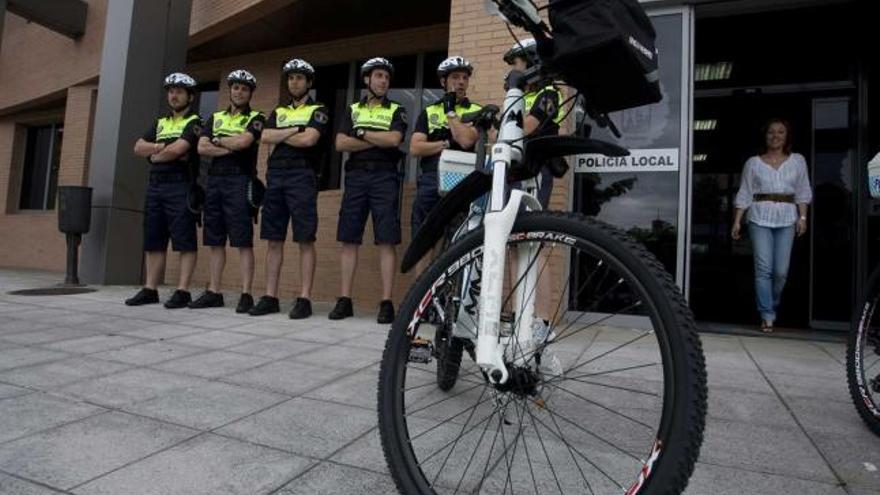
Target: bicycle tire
(859, 347)
(676, 447)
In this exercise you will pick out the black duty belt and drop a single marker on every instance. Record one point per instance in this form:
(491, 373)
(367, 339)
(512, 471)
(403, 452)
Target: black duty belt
(777, 198)
(291, 163)
(168, 177)
(228, 169)
(370, 166)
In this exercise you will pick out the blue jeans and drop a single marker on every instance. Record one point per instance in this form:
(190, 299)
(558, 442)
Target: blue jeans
(772, 248)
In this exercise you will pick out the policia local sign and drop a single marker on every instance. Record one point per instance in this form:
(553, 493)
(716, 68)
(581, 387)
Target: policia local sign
(645, 160)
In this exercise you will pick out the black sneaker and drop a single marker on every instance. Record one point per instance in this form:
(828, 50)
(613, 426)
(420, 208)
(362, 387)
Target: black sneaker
(266, 305)
(245, 303)
(208, 300)
(144, 296)
(301, 309)
(180, 299)
(386, 312)
(342, 310)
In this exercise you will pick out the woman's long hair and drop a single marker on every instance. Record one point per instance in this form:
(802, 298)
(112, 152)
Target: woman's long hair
(788, 136)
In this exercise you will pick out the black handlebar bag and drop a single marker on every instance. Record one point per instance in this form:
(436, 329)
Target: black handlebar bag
(606, 49)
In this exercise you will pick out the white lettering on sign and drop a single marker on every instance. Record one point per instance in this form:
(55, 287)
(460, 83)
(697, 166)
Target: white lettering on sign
(646, 160)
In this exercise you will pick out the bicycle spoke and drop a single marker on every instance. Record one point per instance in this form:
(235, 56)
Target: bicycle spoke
(615, 387)
(578, 452)
(464, 427)
(597, 404)
(594, 435)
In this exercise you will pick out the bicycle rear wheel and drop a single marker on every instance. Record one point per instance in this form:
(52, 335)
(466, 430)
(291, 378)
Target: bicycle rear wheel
(863, 357)
(612, 400)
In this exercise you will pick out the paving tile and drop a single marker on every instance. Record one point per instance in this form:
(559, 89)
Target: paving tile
(7, 391)
(274, 348)
(205, 465)
(304, 426)
(13, 356)
(217, 339)
(47, 335)
(213, 364)
(15, 486)
(331, 478)
(206, 407)
(148, 353)
(855, 458)
(93, 344)
(78, 452)
(719, 480)
(771, 449)
(31, 413)
(355, 390)
(58, 373)
(286, 377)
(341, 357)
(130, 386)
(163, 331)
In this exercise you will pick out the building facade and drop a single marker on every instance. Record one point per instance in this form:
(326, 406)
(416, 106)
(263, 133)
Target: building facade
(725, 68)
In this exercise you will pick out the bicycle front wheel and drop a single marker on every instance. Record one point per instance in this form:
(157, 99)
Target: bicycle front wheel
(609, 398)
(863, 356)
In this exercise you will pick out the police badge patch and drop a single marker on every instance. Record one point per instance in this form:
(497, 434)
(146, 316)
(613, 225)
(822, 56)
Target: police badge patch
(435, 118)
(282, 118)
(321, 117)
(258, 125)
(218, 123)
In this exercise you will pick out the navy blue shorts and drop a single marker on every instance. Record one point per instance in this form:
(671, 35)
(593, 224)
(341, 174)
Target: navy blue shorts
(166, 216)
(427, 197)
(291, 195)
(373, 192)
(227, 213)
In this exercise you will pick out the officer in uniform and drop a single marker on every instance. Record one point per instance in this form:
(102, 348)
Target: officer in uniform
(292, 186)
(371, 132)
(231, 138)
(438, 128)
(171, 210)
(542, 104)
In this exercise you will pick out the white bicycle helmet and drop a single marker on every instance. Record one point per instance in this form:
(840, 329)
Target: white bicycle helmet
(242, 76)
(527, 48)
(376, 63)
(454, 64)
(179, 80)
(299, 66)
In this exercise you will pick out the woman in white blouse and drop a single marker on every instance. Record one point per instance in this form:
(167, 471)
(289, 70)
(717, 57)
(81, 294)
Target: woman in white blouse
(775, 189)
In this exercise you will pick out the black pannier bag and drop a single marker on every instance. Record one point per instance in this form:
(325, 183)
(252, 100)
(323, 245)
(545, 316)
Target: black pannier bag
(605, 49)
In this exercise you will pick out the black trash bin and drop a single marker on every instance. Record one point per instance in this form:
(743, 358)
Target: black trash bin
(74, 220)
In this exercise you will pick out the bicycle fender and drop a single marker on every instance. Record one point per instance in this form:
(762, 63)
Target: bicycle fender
(456, 201)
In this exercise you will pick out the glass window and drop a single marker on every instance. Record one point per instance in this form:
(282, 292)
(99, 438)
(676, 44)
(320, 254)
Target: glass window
(206, 99)
(41, 161)
(330, 88)
(644, 204)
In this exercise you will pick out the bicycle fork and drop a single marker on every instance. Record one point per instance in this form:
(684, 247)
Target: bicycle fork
(498, 223)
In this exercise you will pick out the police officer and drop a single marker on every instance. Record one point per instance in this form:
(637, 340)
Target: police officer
(292, 186)
(231, 138)
(542, 104)
(170, 147)
(371, 132)
(438, 128)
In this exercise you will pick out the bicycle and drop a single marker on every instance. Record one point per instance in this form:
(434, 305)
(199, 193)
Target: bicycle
(863, 354)
(608, 399)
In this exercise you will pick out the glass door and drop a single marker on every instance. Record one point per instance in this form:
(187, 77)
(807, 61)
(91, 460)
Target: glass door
(833, 214)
